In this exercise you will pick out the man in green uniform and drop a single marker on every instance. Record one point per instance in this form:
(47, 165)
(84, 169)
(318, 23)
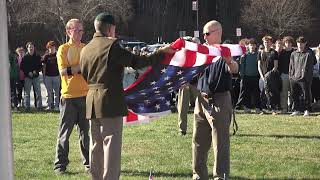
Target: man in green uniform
(102, 63)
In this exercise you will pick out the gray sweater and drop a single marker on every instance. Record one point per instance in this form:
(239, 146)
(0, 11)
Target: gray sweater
(301, 65)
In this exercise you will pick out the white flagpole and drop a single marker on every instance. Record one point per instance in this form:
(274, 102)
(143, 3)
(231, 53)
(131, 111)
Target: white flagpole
(6, 153)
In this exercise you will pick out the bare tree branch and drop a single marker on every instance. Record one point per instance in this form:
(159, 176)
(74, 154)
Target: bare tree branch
(276, 17)
(54, 14)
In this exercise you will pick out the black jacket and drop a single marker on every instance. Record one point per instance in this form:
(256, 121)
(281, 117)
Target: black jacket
(301, 65)
(31, 64)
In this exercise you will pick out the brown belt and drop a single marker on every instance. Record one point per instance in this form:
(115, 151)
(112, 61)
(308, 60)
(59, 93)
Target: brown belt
(97, 86)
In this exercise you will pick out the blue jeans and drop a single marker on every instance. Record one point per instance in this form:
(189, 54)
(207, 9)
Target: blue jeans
(35, 82)
(53, 87)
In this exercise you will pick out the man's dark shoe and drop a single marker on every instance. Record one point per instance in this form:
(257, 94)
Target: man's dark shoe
(173, 109)
(183, 133)
(40, 108)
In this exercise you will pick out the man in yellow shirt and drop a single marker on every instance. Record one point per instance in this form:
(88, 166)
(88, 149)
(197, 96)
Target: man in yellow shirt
(73, 98)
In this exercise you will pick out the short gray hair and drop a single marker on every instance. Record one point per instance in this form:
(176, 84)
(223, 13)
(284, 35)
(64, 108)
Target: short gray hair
(71, 22)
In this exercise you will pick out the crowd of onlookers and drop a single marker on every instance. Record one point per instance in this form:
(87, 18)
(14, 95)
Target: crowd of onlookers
(282, 77)
(278, 77)
(130, 74)
(25, 68)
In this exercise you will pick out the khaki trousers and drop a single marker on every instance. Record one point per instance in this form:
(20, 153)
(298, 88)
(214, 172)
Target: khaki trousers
(185, 94)
(211, 126)
(105, 148)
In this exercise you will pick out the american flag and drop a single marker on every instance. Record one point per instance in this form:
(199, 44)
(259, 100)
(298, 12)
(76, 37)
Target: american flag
(149, 97)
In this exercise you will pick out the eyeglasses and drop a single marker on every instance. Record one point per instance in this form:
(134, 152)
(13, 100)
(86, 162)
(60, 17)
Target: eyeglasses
(208, 33)
(77, 30)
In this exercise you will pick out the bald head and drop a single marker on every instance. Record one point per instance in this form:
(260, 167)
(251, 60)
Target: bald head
(213, 24)
(212, 32)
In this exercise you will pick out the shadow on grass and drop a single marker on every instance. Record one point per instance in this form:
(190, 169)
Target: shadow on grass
(68, 173)
(156, 174)
(189, 176)
(33, 111)
(274, 178)
(279, 136)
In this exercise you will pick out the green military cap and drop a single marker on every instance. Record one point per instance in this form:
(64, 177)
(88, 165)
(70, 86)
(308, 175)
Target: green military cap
(105, 18)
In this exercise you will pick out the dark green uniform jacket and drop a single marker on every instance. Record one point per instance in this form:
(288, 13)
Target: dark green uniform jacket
(14, 68)
(102, 62)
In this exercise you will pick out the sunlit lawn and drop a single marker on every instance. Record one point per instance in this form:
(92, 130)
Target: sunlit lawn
(265, 147)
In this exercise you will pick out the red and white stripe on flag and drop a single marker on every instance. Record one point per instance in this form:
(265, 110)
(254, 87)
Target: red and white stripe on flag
(192, 54)
(134, 118)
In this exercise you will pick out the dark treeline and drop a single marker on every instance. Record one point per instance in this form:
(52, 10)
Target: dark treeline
(165, 18)
(149, 20)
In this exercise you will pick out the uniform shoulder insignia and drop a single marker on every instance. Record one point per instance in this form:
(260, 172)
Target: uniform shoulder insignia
(120, 44)
(112, 38)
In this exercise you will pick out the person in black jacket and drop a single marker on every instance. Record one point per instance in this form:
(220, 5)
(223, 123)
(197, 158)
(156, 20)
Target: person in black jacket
(300, 76)
(51, 76)
(267, 61)
(284, 60)
(31, 66)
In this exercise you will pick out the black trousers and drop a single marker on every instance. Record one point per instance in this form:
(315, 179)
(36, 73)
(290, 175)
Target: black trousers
(235, 90)
(20, 86)
(249, 95)
(315, 89)
(13, 89)
(301, 95)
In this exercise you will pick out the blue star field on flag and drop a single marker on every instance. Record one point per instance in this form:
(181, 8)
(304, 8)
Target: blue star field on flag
(153, 94)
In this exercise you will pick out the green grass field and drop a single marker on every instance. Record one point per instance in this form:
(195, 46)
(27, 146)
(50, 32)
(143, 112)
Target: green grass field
(265, 147)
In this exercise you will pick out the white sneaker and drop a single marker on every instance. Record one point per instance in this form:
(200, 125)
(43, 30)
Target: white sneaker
(306, 113)
(48, 108)
(295, 113)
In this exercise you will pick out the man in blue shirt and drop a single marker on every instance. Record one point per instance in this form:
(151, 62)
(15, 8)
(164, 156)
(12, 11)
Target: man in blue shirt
(213, 111)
